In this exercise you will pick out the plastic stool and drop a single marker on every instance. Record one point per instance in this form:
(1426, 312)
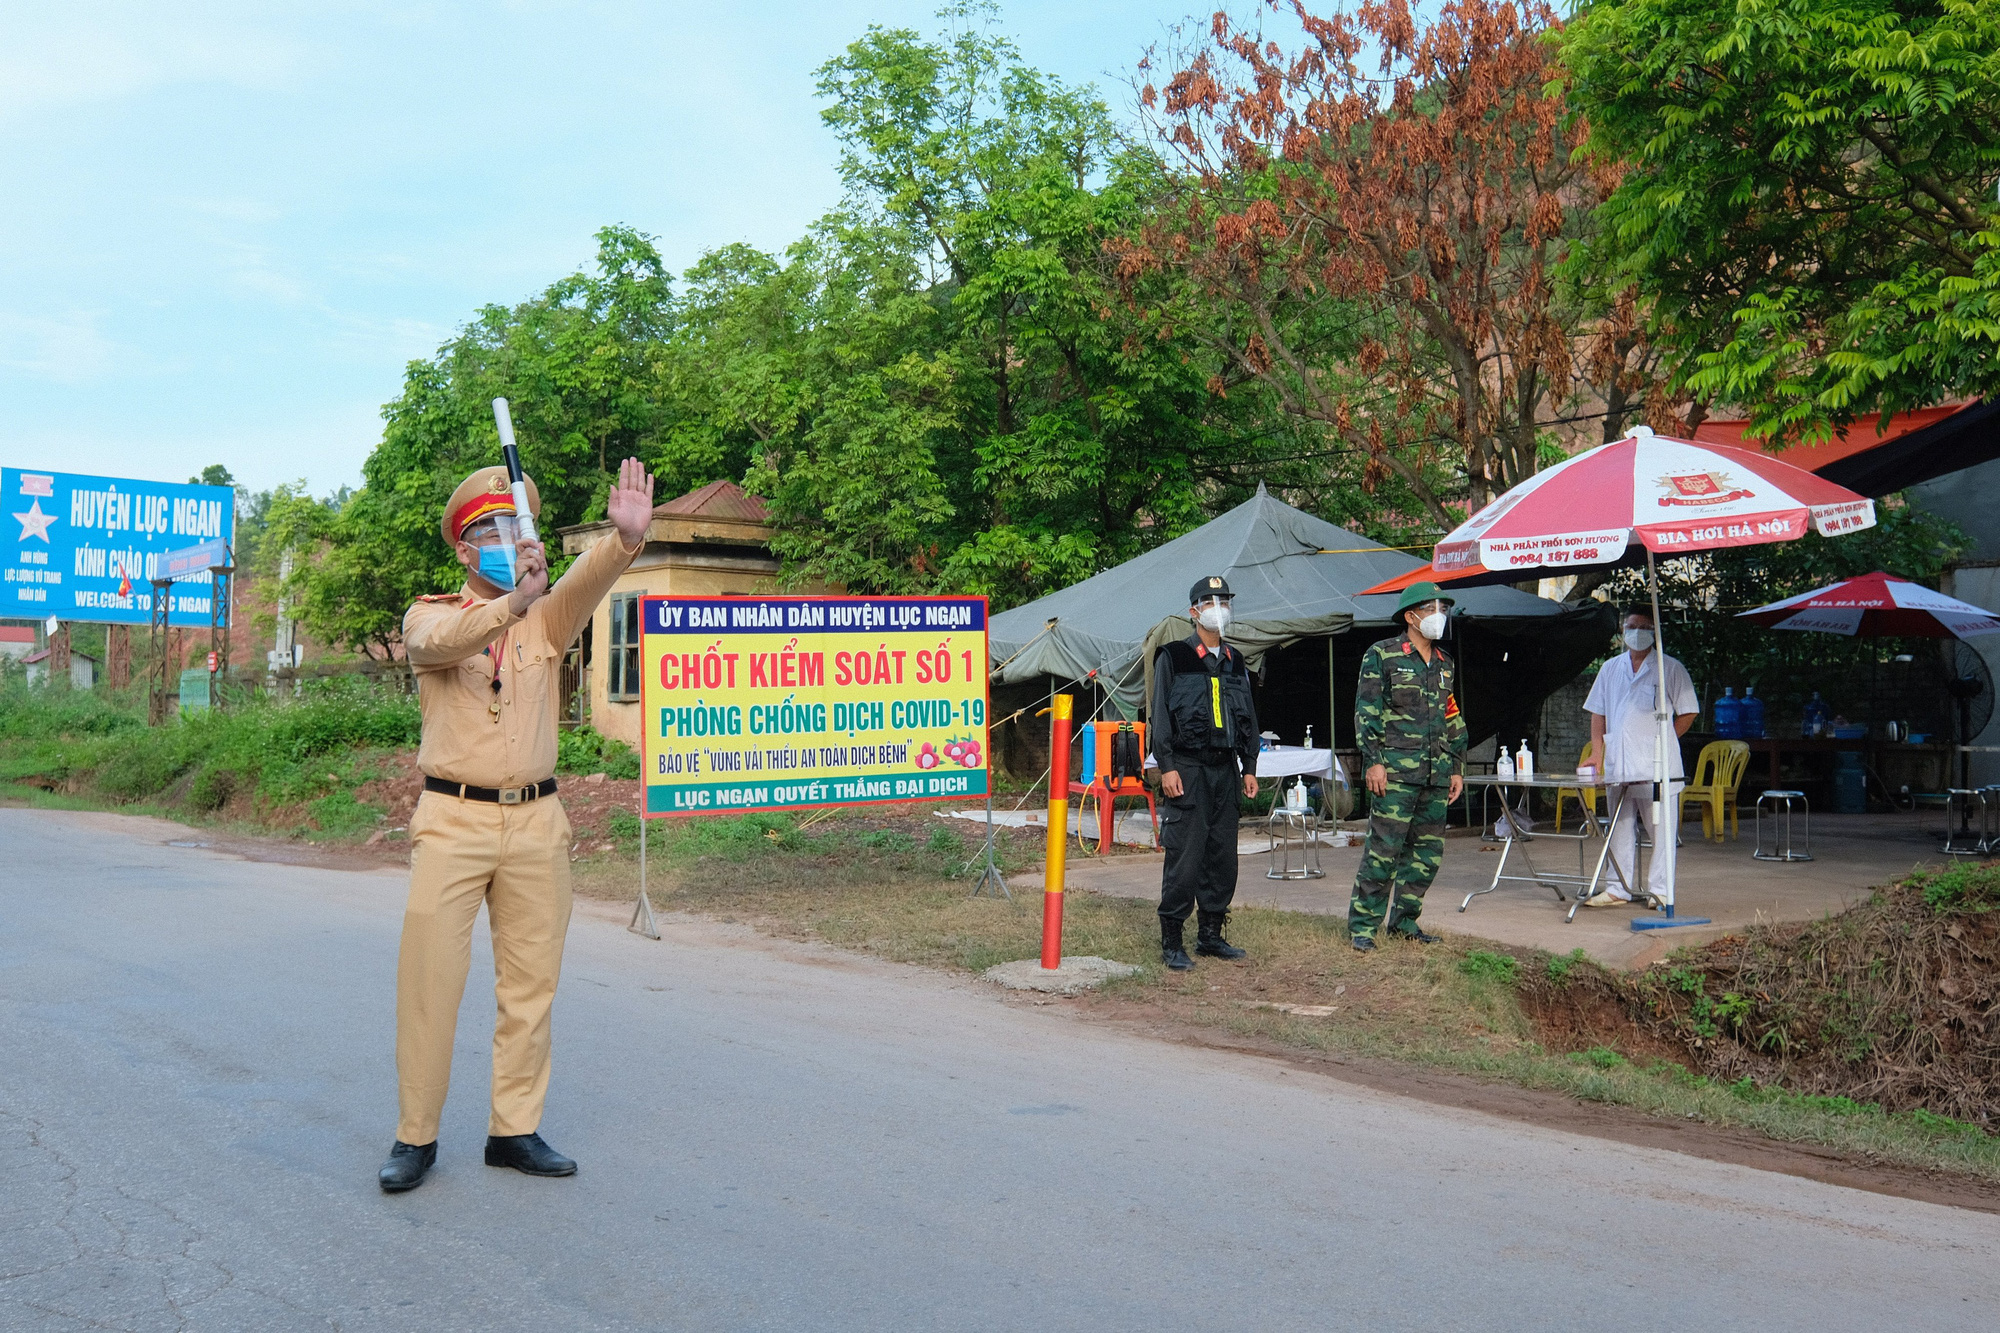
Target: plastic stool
(1959, 840)
(1281, 826)
(1784, 803)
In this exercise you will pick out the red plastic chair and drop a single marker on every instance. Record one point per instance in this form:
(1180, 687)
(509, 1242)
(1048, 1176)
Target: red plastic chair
(1096, 784)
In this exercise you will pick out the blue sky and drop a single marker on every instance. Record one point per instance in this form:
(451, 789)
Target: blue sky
(228, 226)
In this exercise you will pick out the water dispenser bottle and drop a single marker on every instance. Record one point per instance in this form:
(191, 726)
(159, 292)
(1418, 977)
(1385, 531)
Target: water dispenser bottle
(1729, 715)
(1750, 721)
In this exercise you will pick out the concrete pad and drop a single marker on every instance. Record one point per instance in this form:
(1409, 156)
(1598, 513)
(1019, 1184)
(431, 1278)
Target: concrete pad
(1075, 976)
(1852, 855)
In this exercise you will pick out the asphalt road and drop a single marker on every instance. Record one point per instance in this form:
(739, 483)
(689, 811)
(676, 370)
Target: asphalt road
(197, 1088)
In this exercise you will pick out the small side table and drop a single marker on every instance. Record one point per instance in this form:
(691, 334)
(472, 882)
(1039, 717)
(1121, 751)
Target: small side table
(1289, 829)
(1783, 804)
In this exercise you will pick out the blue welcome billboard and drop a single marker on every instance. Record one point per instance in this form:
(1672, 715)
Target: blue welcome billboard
(86, 548)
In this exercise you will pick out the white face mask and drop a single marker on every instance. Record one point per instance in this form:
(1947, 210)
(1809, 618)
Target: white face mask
(1215, 616)
(1432, 626)
(1638, 640)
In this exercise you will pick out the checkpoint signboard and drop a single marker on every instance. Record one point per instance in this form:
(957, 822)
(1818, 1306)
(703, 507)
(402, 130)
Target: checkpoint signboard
(87, 548)
(788, 703)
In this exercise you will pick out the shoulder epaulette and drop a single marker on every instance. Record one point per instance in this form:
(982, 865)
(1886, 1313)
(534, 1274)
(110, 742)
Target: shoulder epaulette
(439, 597)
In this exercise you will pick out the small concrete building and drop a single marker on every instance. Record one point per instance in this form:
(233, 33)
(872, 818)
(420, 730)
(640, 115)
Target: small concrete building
(711, 541)
(82, 668)
(17, 641)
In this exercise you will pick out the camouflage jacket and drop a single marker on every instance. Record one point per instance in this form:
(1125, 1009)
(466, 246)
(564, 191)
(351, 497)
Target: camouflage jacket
(1406, 715)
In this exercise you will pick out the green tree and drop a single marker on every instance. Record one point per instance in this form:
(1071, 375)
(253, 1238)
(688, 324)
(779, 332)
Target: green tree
(1808, 194)
(1043, 429)
(582, 366)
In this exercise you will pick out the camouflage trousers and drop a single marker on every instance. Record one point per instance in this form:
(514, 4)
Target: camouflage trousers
(1405, 846)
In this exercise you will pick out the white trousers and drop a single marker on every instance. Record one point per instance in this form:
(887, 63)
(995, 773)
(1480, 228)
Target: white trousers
(1631, 806)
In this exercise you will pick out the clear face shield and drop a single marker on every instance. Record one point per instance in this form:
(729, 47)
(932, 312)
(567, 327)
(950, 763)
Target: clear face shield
(1213, 613)
(496, 537)
(1432, 620)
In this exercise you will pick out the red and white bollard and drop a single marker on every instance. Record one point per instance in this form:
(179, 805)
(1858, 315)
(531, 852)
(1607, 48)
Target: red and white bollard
(1052, 882)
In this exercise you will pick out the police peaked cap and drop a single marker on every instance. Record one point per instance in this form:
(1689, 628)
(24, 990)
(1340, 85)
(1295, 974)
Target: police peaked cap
(481, 495)
(1213, 586)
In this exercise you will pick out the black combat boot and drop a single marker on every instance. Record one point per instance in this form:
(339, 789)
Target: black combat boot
(407, 1166)
(1410, 930)
(1172, 951)
(1208, 939)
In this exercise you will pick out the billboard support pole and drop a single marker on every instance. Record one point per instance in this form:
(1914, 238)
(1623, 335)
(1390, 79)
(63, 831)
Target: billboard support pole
(219, 596)
(156, 704)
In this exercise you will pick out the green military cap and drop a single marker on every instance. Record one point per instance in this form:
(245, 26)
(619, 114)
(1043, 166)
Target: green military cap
(1419, 593)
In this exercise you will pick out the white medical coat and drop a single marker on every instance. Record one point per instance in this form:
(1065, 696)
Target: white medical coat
(1626, 698)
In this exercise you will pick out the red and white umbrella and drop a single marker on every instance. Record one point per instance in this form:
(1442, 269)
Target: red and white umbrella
(1633, 499)
(1671, 497)
(1878, 604)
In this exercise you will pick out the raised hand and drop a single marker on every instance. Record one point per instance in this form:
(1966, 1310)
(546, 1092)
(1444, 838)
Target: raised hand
(630, 504)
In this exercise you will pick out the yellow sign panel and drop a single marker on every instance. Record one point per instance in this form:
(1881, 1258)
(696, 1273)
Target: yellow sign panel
(786, 703)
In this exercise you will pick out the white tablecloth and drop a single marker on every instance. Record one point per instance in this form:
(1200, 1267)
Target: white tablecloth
(1288, 761)
(1285, 761)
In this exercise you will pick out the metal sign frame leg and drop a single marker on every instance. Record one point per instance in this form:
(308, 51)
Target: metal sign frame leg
(642, 911)
(990, 874)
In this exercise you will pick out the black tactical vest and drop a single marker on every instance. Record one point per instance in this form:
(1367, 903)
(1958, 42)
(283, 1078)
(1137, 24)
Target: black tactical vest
(1211, 709)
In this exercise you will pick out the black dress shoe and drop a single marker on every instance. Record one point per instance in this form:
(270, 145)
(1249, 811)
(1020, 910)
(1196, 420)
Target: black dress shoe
(407, 1166)
(527, 1153)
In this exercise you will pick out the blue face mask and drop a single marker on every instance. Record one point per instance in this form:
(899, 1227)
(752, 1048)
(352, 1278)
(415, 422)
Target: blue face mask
(496, 566)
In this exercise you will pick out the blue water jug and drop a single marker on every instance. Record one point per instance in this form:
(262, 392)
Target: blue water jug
(1816, 716)
(1750, 719)
(1729, 715)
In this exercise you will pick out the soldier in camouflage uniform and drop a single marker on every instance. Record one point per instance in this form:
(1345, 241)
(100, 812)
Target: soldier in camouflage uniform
(1412, 740)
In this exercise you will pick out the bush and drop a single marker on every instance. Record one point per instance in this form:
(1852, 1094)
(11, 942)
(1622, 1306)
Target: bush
(585, 750)
(293, 752)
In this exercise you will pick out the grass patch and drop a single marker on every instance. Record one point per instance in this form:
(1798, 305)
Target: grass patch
(292, 766)
(1448, 1006)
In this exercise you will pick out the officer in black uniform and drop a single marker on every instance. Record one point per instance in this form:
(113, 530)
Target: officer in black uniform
(1204, 734)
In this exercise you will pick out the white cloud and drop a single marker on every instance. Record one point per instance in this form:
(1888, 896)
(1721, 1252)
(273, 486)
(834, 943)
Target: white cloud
(81, 53)
(69, 350)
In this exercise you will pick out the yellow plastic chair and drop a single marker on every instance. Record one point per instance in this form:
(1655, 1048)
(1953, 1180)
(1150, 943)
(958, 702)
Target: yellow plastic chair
(1585, 797)
(1717, 774)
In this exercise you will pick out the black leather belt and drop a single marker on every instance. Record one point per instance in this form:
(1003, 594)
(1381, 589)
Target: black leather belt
(534, 791)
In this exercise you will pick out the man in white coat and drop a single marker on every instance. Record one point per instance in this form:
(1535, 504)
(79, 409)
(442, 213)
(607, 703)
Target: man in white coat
(1625, 737)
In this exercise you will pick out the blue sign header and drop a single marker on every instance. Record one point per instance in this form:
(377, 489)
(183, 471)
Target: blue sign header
(87, 548)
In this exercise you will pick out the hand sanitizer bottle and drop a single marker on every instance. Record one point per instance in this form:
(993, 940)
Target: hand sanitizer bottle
(1524, 760)
(1504, 767)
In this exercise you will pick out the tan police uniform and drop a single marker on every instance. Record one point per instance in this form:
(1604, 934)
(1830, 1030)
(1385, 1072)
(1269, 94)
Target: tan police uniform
(512, 856)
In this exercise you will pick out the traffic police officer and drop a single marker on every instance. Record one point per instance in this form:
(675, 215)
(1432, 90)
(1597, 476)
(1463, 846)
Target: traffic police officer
(1204, 738)
(1412, 740)
(488, 828)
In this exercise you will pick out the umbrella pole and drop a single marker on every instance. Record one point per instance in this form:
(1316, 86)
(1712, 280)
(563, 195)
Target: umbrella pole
(1665, 835)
